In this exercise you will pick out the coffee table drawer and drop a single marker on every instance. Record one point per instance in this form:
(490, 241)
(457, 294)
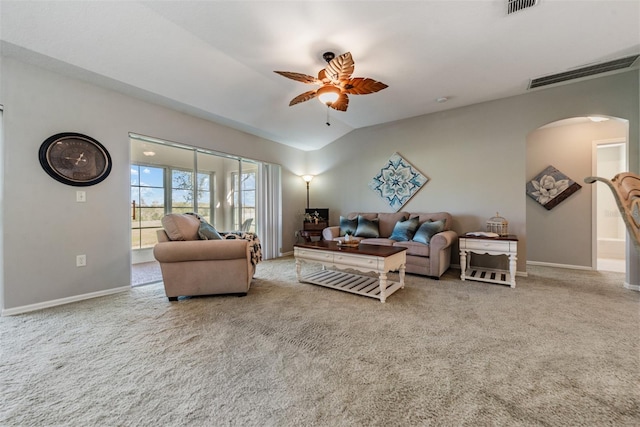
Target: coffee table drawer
(356, 261)
(313, 255)
(502, 246)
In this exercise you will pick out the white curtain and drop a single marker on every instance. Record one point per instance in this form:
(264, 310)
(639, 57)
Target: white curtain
(270, 210)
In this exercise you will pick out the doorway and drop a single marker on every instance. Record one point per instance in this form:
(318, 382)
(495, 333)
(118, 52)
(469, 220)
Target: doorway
(610, 157)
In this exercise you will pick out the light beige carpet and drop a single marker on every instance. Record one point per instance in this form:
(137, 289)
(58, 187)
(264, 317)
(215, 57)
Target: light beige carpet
(561, 349)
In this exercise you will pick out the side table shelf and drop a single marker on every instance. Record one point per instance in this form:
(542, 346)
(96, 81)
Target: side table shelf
(504, 245)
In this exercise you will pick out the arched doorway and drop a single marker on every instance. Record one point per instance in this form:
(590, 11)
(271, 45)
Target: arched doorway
(568, 235)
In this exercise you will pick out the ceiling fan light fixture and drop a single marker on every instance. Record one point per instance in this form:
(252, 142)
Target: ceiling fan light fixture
(328, 94)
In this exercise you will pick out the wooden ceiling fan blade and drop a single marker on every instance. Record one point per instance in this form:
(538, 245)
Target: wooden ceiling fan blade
(362, 86)
(299, 77)
(340, 68)
(322, 77)
(303, 97)
(341, 103)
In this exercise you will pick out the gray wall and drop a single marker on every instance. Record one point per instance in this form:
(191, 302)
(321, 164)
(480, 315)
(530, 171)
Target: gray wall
(475, 157)
(44, 228)
(563, 235)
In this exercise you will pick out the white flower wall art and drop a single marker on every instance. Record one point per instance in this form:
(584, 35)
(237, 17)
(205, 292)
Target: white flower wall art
(550, 187)
(397, 182)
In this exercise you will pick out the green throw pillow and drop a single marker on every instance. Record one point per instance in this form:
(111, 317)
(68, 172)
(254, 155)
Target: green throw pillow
(348, 225)
(404, 230)
(208, 232)
(367, 228)
(427, 230)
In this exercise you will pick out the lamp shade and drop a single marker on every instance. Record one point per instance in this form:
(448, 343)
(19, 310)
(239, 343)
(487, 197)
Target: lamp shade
(328, 94)
(307, 178)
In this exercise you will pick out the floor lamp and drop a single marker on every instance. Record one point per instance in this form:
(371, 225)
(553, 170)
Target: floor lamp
(307, 179)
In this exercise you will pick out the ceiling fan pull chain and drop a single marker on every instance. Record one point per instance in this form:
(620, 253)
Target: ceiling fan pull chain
(328, 124)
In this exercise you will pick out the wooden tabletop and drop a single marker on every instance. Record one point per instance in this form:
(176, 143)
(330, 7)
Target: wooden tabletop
(375, 250)
(508, 237)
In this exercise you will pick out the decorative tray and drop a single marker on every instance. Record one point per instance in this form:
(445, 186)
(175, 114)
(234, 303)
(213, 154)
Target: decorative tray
(351, 244)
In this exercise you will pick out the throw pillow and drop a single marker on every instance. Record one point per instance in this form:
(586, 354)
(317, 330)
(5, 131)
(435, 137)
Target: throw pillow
(367, 228)
(348, 225)
(427, 230)
(208, 232)
(180, 227)
(404, 230)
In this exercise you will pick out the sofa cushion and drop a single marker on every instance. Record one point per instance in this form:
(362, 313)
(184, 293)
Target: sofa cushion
(380, 241)
(367, 228)
(181, 227)
(207, 231)
(415, 248)
(386, 222)
(347, 224)
(427, 230)
(404, 230)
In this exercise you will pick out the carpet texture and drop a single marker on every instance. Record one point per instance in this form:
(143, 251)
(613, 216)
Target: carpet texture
(561, 349)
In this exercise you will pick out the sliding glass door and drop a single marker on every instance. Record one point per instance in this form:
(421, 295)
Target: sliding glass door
(168, 178)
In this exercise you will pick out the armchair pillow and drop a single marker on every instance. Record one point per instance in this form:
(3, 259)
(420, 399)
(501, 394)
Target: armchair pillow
(181, 227)
(427, 230)
(404, 230)
(347, 224)
(208, 232)
(367, 228)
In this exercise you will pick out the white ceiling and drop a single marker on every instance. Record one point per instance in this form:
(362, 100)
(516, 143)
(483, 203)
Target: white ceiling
(215, 59)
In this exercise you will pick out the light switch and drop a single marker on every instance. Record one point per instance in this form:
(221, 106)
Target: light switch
(81, 196)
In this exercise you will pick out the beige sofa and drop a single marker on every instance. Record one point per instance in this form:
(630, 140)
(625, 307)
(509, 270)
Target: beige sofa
(431, 259)
(191, 266)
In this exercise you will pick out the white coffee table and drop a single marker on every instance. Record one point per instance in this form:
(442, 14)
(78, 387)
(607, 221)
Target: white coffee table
(365, 258)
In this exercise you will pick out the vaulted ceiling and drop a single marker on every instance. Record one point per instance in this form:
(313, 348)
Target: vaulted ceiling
(215, 59)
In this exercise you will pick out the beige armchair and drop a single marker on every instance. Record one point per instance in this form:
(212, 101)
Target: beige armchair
(201, 267)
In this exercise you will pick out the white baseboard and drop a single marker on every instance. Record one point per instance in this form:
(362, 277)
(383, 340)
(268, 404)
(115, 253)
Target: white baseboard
(53, 303)
(551, 264)
(139, 256)
(631, 287)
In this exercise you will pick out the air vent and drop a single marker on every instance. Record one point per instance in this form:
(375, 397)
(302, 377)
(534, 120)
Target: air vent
(591, 70)
(517, 5)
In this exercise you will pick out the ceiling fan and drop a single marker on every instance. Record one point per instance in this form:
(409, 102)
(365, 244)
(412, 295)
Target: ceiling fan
(335, 82)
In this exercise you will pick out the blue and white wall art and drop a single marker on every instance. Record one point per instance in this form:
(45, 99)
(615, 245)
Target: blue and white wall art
(397, 182)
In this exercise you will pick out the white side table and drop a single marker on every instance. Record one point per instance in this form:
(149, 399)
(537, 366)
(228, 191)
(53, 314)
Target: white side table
(504, 245)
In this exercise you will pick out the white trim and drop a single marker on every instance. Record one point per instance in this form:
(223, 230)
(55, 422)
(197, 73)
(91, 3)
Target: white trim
(551, 264)
(623, 141)
(631, 287)
(61, 301)
(139, 256)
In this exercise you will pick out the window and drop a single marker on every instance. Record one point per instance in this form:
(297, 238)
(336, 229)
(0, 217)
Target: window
(244, 200)
(147, 204)
(183, 196)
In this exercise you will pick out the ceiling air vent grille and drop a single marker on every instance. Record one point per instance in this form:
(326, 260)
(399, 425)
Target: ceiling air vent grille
(517, 5)
(591, 70)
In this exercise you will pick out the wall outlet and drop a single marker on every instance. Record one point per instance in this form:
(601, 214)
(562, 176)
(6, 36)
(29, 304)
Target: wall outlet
(81, 196)
(81, 260)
